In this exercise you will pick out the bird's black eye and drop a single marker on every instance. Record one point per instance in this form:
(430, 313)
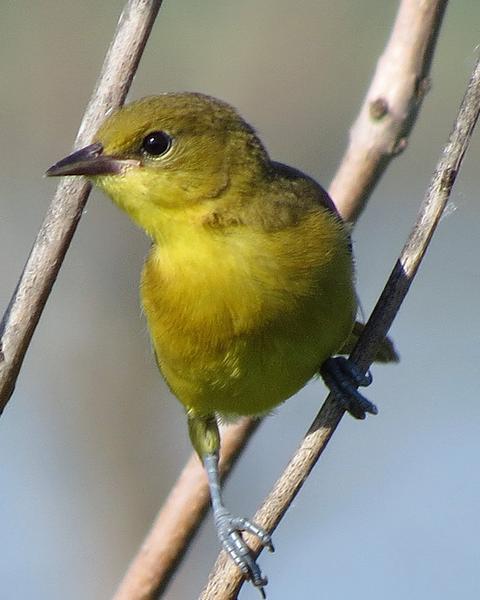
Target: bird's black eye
(156, 143)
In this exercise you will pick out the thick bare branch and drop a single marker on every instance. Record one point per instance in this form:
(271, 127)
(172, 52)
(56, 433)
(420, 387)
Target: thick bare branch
(225, 579)
(53, 239)
(391, 105)
(407, 54)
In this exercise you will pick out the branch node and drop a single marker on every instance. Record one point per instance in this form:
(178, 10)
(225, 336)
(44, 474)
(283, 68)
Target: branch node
(400, 146)
(448, 178)
(422, 87)
(378, 109)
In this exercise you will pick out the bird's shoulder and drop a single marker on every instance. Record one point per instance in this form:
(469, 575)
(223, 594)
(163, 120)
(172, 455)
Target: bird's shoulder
(281, 200)
(289, 196)
(302, 186)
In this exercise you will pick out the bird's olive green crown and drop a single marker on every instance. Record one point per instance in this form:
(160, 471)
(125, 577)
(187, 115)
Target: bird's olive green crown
(202, 120)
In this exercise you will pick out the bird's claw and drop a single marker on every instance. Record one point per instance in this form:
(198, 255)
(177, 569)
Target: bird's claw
(229, 530)
(342, 377)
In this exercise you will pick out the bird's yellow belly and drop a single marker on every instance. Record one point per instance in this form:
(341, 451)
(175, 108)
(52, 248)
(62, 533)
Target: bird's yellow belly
(256, 372)
(245, 352)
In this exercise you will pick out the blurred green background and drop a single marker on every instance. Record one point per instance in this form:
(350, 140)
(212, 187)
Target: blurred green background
(91, 442)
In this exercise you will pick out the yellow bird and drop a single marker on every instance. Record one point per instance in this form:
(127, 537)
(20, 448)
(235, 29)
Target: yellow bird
(248, 289)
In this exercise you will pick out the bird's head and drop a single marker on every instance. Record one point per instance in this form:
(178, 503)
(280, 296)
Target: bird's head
(169, 152)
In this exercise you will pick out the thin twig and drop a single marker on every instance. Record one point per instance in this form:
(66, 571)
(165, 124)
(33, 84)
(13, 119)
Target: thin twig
(391, 104)
(416, 28)
(226, 579)
(53, 239)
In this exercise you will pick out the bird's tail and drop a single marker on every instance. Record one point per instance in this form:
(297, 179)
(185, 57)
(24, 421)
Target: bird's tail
(386, 352)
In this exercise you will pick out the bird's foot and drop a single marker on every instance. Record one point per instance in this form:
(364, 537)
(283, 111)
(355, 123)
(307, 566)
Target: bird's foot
(229, 530)
(342, 377)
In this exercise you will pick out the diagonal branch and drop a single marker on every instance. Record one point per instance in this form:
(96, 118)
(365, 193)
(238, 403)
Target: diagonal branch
(405, 63)
(391, 105)
(53, 239)
(226, 579)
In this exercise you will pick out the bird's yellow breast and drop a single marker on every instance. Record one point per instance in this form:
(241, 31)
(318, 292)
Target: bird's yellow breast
(241, 318)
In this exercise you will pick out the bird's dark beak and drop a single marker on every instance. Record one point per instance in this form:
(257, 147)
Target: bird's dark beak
(89, 161)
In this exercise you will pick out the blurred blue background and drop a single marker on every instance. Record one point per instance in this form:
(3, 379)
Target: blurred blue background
(91, 442)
